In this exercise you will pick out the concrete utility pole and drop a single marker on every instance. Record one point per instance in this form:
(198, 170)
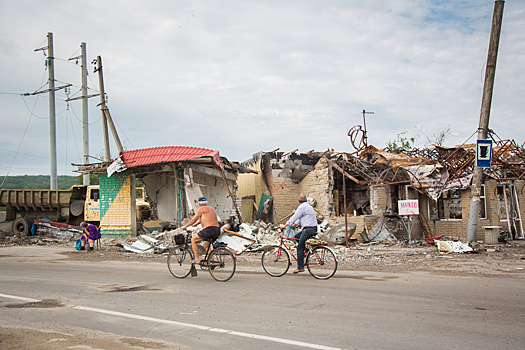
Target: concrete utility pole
(50, 63)
(490, 74)
(52, 116)
(106, 116)
(85, 124)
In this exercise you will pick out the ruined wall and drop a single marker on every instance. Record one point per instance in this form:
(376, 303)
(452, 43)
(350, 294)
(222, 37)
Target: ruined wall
(458, 227)
(379, 199)
(161, 188)
(218, 197)
(381, 204)
(282, 187)
(318, 184)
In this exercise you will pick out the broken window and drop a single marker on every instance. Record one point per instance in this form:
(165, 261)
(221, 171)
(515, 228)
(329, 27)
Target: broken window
(449, 205)
(95, 194)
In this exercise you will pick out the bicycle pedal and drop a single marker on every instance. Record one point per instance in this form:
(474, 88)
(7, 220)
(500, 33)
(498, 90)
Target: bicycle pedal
(193, 271)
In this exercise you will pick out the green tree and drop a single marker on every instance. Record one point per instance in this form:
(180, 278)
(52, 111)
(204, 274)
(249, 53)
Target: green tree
(93, 179)
(401, 143)
(34, 182)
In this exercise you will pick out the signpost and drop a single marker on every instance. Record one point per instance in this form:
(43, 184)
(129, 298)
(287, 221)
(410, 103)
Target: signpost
(408, 208)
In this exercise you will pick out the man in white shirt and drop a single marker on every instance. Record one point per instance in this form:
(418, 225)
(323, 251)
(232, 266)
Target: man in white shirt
(305, 217)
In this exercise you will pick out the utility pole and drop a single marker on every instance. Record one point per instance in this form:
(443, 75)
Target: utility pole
(52, 115)
(106, 116)
(85, 123)
(365, 137)
(103, 107)
(84, 97)
(50, 63)
(490, 73)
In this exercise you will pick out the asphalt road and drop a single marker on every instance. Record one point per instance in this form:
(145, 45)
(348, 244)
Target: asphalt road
(41, 290)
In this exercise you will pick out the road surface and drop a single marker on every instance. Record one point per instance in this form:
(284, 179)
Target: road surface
(60, 303)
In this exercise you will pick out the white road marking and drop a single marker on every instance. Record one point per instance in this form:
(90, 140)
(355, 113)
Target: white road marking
(189, 325)
(29, 300)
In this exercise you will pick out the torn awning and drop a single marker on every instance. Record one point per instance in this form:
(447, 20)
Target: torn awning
(167, 154)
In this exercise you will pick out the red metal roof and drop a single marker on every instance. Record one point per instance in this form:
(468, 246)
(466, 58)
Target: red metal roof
(156, 155)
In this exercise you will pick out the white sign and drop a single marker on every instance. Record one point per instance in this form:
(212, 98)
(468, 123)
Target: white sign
(408, 207)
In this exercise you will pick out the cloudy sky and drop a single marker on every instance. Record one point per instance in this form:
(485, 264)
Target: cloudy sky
(248, 76)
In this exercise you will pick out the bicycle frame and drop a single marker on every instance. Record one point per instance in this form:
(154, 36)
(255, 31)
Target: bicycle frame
(215, 260)
(289, 251)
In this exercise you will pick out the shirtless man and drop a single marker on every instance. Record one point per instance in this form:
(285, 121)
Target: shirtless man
(210, 227)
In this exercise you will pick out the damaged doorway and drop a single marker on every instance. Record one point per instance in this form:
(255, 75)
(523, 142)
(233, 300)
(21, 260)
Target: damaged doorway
(357, 197)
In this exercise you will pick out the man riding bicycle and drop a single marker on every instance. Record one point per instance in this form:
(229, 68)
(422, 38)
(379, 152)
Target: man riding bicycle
(210, 227)
(306, 218)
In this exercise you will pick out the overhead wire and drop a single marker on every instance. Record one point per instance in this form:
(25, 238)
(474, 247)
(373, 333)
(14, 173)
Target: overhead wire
(19, 145)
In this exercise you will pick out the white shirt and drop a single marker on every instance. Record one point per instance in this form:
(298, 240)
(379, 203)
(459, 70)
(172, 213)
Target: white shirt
(304, 216)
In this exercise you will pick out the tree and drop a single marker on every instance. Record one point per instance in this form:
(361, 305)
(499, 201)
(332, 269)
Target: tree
(93, 180)
(401, 143)
(437, 137)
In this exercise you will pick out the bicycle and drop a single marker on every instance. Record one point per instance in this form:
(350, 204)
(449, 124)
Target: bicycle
(220, 262)
(320, 260)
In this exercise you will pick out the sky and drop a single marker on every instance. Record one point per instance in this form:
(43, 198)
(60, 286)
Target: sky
(247, 76)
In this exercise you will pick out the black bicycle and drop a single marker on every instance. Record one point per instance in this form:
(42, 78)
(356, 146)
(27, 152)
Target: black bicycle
(220, 262)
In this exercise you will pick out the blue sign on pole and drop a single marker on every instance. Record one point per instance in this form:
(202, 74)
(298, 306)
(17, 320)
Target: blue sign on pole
(484, 153)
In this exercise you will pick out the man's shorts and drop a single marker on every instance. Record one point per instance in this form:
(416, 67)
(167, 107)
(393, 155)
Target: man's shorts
(209, 233)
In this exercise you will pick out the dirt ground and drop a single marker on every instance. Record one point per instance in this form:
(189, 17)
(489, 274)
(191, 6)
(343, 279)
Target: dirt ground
(500, 260)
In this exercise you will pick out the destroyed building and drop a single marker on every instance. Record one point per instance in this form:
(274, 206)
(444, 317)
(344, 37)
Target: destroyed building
(369, 184)
(174, 177)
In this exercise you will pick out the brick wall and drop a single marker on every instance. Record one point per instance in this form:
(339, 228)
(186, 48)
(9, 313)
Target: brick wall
(318, 184)
(457, 228)
(285, 190)
(115, 205)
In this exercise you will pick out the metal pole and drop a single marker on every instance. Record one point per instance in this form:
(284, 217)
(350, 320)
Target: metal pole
(85, 122)
(490, 73)
(103, 107)
(365, 136)
(52, 121)
(344, 198)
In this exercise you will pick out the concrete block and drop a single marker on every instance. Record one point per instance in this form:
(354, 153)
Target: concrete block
(6, 226)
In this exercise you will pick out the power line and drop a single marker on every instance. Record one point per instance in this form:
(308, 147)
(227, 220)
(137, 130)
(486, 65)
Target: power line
(19, 145)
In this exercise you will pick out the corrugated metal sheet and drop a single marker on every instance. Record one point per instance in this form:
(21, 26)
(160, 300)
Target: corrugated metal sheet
(252, 184)
(167, 154)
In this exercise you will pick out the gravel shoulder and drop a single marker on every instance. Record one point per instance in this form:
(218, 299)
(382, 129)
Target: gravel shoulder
(501, 260)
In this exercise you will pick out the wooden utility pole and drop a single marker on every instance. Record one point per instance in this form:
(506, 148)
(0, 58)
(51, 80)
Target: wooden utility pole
(106, 116)
(490, 74)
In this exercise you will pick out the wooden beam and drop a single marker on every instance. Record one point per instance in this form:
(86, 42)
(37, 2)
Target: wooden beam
(346, 174)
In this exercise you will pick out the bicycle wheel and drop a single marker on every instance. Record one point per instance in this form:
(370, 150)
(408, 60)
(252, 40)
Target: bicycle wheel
(179, 261)
(321, 262)
(221, 264)
(275, 261)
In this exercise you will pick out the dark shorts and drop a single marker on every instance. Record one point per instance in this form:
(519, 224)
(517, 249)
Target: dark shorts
(209, 233)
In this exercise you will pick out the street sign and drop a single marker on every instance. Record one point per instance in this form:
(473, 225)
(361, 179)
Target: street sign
(484, 153)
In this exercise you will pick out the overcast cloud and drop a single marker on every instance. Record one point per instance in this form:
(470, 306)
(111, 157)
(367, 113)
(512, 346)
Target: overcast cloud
(247, 76)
